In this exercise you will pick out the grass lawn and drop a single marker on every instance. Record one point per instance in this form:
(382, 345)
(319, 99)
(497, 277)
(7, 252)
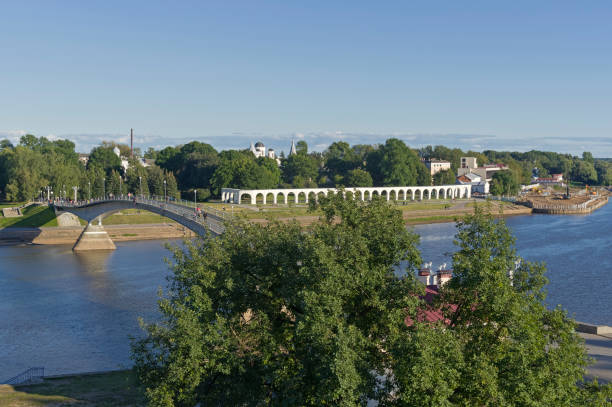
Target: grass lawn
(10, 204)
(135, 217)
(113, 389)
(33, 217)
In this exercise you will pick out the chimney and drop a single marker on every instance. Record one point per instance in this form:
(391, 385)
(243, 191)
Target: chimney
(443, 276)
(424, 276)
(132, 143)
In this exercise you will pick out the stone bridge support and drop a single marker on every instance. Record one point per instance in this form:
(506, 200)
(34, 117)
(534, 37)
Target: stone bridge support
(94, 237)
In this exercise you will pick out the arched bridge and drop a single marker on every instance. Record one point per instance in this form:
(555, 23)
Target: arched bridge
(94, 211)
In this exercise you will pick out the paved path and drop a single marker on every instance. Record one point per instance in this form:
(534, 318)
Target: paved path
(600, 349)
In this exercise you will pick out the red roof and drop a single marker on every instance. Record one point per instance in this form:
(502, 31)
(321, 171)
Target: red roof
(428, 313)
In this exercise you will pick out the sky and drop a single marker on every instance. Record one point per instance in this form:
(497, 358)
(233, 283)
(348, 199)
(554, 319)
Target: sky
(512, 75)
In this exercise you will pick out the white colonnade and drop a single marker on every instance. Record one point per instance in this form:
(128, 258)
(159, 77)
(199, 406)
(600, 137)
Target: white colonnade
(304, 195)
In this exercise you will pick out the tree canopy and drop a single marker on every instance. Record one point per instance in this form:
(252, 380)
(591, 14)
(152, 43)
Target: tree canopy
(277, 314)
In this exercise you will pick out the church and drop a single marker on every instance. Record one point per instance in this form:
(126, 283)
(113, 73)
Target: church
(259, 150)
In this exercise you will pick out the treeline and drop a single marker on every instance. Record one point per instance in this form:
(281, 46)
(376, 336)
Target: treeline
(26, 170)
(196, 167)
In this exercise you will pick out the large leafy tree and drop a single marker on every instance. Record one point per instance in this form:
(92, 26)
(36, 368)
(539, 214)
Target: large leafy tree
(104, 157)
(273, 315)
(270, 315)
(505, 347)
(299, 169)
(504, 183)
(358, 178)
(446, 177)
(395, 164)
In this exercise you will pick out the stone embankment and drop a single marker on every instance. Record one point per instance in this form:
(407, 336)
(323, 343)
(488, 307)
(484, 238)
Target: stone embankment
(556, 206)
(70, 234)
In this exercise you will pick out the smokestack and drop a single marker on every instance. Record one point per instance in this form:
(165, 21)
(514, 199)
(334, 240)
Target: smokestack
(132, 143)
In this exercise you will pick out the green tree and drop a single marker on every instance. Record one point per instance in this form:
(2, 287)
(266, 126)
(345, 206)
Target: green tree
(105, 158)
(301, 147)
(446, 177)
(514, 351)
(300, 165)
(584, 171)
(358, 178)
(272, 315)
(504, 183)
(155, 180)
(136, 178)
(395, 164)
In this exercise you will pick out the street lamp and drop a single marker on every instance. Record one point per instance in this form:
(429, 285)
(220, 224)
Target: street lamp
(89, 188)
(164, 190)
(120, 187)
(140, 186)
(64, 191)
(195, 202)
(75, 188)
(103, 188)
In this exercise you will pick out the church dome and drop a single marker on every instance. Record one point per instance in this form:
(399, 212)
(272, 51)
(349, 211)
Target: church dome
(259, 144)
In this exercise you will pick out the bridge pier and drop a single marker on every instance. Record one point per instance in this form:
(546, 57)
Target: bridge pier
(94, 237)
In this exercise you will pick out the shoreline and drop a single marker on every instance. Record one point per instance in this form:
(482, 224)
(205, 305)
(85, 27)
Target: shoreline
(63, 235)
(68, 235)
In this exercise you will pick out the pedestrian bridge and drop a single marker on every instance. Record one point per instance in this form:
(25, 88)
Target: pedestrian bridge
(304, 195)
(94, 211)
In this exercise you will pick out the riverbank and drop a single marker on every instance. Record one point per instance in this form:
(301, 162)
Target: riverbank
(121, 388)
(68, 235)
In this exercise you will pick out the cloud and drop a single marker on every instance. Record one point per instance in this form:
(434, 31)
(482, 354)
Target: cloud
(319, 141)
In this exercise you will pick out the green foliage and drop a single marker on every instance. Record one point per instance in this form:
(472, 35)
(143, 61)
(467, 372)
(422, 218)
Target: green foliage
(446, 177)
(358, 178)
(504, 183)
(512, 350)
(395, 163)
(104, 158)
(584, 171)
(299, 169)
(271, 315)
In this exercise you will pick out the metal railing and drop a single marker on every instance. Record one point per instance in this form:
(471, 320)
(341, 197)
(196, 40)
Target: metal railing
(211, 218)
(28, 375)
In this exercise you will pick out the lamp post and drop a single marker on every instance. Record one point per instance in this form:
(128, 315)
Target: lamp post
(75, 188)
(89, 188)
(140, 186)
(103, 188)
(164, 190)
(195, 201)
(64, 191)
(120, 187)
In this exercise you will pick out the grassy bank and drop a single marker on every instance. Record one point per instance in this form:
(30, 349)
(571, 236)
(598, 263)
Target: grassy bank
(113, 389)
(135, 217)
(33, 217)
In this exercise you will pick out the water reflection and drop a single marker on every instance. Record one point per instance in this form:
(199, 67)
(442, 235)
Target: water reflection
(93, 261)
(74, 312)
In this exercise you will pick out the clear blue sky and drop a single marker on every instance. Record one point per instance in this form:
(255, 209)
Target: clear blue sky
(477, 74)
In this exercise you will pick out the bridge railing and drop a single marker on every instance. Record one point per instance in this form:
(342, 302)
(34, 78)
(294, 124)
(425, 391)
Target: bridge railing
(211, 219)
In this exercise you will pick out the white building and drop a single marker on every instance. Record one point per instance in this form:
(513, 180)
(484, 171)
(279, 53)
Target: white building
(124, 162)
(435, 166)
(479, 185)
(470, 165)
(259, 150)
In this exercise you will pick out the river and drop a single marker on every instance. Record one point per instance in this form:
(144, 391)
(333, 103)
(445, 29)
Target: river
(74, 313)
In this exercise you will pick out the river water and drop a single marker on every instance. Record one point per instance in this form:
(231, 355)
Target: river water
(74, 313)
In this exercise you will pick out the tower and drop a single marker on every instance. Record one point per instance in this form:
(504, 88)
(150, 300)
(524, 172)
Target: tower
(292, 151)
